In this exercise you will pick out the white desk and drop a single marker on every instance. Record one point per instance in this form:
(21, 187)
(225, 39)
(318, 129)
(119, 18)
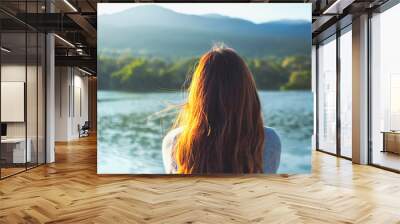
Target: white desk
(19, 155)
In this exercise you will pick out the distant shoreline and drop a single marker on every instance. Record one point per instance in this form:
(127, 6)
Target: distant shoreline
(154, 74)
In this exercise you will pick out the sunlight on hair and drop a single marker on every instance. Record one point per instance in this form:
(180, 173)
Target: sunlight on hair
(222, 126)
(219, 46)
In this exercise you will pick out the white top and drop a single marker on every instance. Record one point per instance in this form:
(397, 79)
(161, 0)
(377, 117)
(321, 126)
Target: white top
(272, 151)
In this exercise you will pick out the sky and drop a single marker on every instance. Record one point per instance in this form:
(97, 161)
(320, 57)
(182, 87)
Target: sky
(254, 12)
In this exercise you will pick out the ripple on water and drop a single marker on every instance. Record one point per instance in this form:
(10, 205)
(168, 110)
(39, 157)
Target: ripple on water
(131, 129)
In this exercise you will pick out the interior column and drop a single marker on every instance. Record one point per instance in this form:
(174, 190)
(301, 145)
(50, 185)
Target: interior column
(360, 90)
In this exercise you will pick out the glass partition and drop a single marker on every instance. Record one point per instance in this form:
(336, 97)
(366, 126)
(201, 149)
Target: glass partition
(35, 97)
(327, 95)
(22, 101)
(14, 151)
(346, 92)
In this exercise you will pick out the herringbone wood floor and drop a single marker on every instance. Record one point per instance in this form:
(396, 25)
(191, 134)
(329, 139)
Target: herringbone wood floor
(70, 191)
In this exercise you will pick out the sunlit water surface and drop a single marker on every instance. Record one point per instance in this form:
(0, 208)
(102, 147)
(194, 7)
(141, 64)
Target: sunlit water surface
(131, 127)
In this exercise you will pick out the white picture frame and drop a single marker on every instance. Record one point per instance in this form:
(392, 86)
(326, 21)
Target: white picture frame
(12, 101)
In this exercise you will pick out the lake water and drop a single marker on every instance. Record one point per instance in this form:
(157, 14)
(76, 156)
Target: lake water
(131, 127)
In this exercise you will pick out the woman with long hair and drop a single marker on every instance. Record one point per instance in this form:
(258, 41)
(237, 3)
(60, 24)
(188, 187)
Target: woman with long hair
(220, 127)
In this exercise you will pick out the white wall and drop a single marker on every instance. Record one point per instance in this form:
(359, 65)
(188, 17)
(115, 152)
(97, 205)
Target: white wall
(71, 94)
(62, 81)
(80, 110)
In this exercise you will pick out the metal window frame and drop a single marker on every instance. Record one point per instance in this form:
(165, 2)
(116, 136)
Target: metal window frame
(386, 6)
(339, 32)
(381, 9)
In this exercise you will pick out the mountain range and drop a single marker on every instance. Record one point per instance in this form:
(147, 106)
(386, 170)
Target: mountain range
(157, 31)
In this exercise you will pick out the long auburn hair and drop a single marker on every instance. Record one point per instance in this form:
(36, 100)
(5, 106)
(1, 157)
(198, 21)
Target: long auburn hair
(222, 124)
